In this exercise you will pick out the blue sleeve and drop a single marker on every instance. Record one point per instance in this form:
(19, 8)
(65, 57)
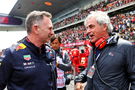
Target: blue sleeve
(5, 68)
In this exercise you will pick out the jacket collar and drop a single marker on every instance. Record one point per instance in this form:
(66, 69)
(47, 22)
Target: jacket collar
(32, 47)
(113, 40)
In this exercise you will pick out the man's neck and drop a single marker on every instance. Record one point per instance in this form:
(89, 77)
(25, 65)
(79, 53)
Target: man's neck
(35, 41)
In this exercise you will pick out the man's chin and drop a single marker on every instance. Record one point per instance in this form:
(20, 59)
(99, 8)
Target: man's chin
(50, 36)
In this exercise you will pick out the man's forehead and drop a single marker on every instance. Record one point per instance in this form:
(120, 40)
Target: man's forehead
(91, 21)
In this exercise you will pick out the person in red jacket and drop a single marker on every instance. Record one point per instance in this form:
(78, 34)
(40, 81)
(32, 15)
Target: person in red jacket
(75, 57)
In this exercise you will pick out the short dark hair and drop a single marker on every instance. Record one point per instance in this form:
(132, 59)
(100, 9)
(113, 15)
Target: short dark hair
(55, 37)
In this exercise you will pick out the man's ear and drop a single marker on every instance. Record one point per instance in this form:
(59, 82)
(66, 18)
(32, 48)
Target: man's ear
(105, 27)
(35, 28)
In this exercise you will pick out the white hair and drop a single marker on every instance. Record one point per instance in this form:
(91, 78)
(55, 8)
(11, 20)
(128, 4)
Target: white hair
(101, 18)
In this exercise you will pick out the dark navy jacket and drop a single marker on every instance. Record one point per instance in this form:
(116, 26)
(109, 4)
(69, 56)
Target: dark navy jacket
(26, 67)
(115, 67)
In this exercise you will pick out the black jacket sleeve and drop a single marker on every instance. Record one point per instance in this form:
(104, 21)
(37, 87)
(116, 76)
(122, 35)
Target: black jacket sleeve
(66, 65)
(82, 77)
(130, 57)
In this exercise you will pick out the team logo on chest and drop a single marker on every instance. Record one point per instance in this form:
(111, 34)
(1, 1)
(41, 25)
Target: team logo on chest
(27, 57)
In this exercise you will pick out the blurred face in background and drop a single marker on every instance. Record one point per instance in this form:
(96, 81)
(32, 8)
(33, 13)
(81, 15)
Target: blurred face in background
(55, 44)
(94, 30)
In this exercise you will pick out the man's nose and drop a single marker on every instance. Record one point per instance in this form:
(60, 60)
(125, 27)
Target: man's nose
(88, 31)
(52, 32)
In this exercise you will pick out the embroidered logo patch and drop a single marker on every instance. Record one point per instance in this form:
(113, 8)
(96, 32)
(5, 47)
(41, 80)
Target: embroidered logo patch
(20, 46)
(27, 57)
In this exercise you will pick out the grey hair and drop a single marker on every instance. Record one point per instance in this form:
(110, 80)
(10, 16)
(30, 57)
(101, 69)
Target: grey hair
(101, 18)
(35, 17)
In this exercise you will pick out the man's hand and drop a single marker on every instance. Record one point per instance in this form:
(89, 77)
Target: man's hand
(79, 86)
